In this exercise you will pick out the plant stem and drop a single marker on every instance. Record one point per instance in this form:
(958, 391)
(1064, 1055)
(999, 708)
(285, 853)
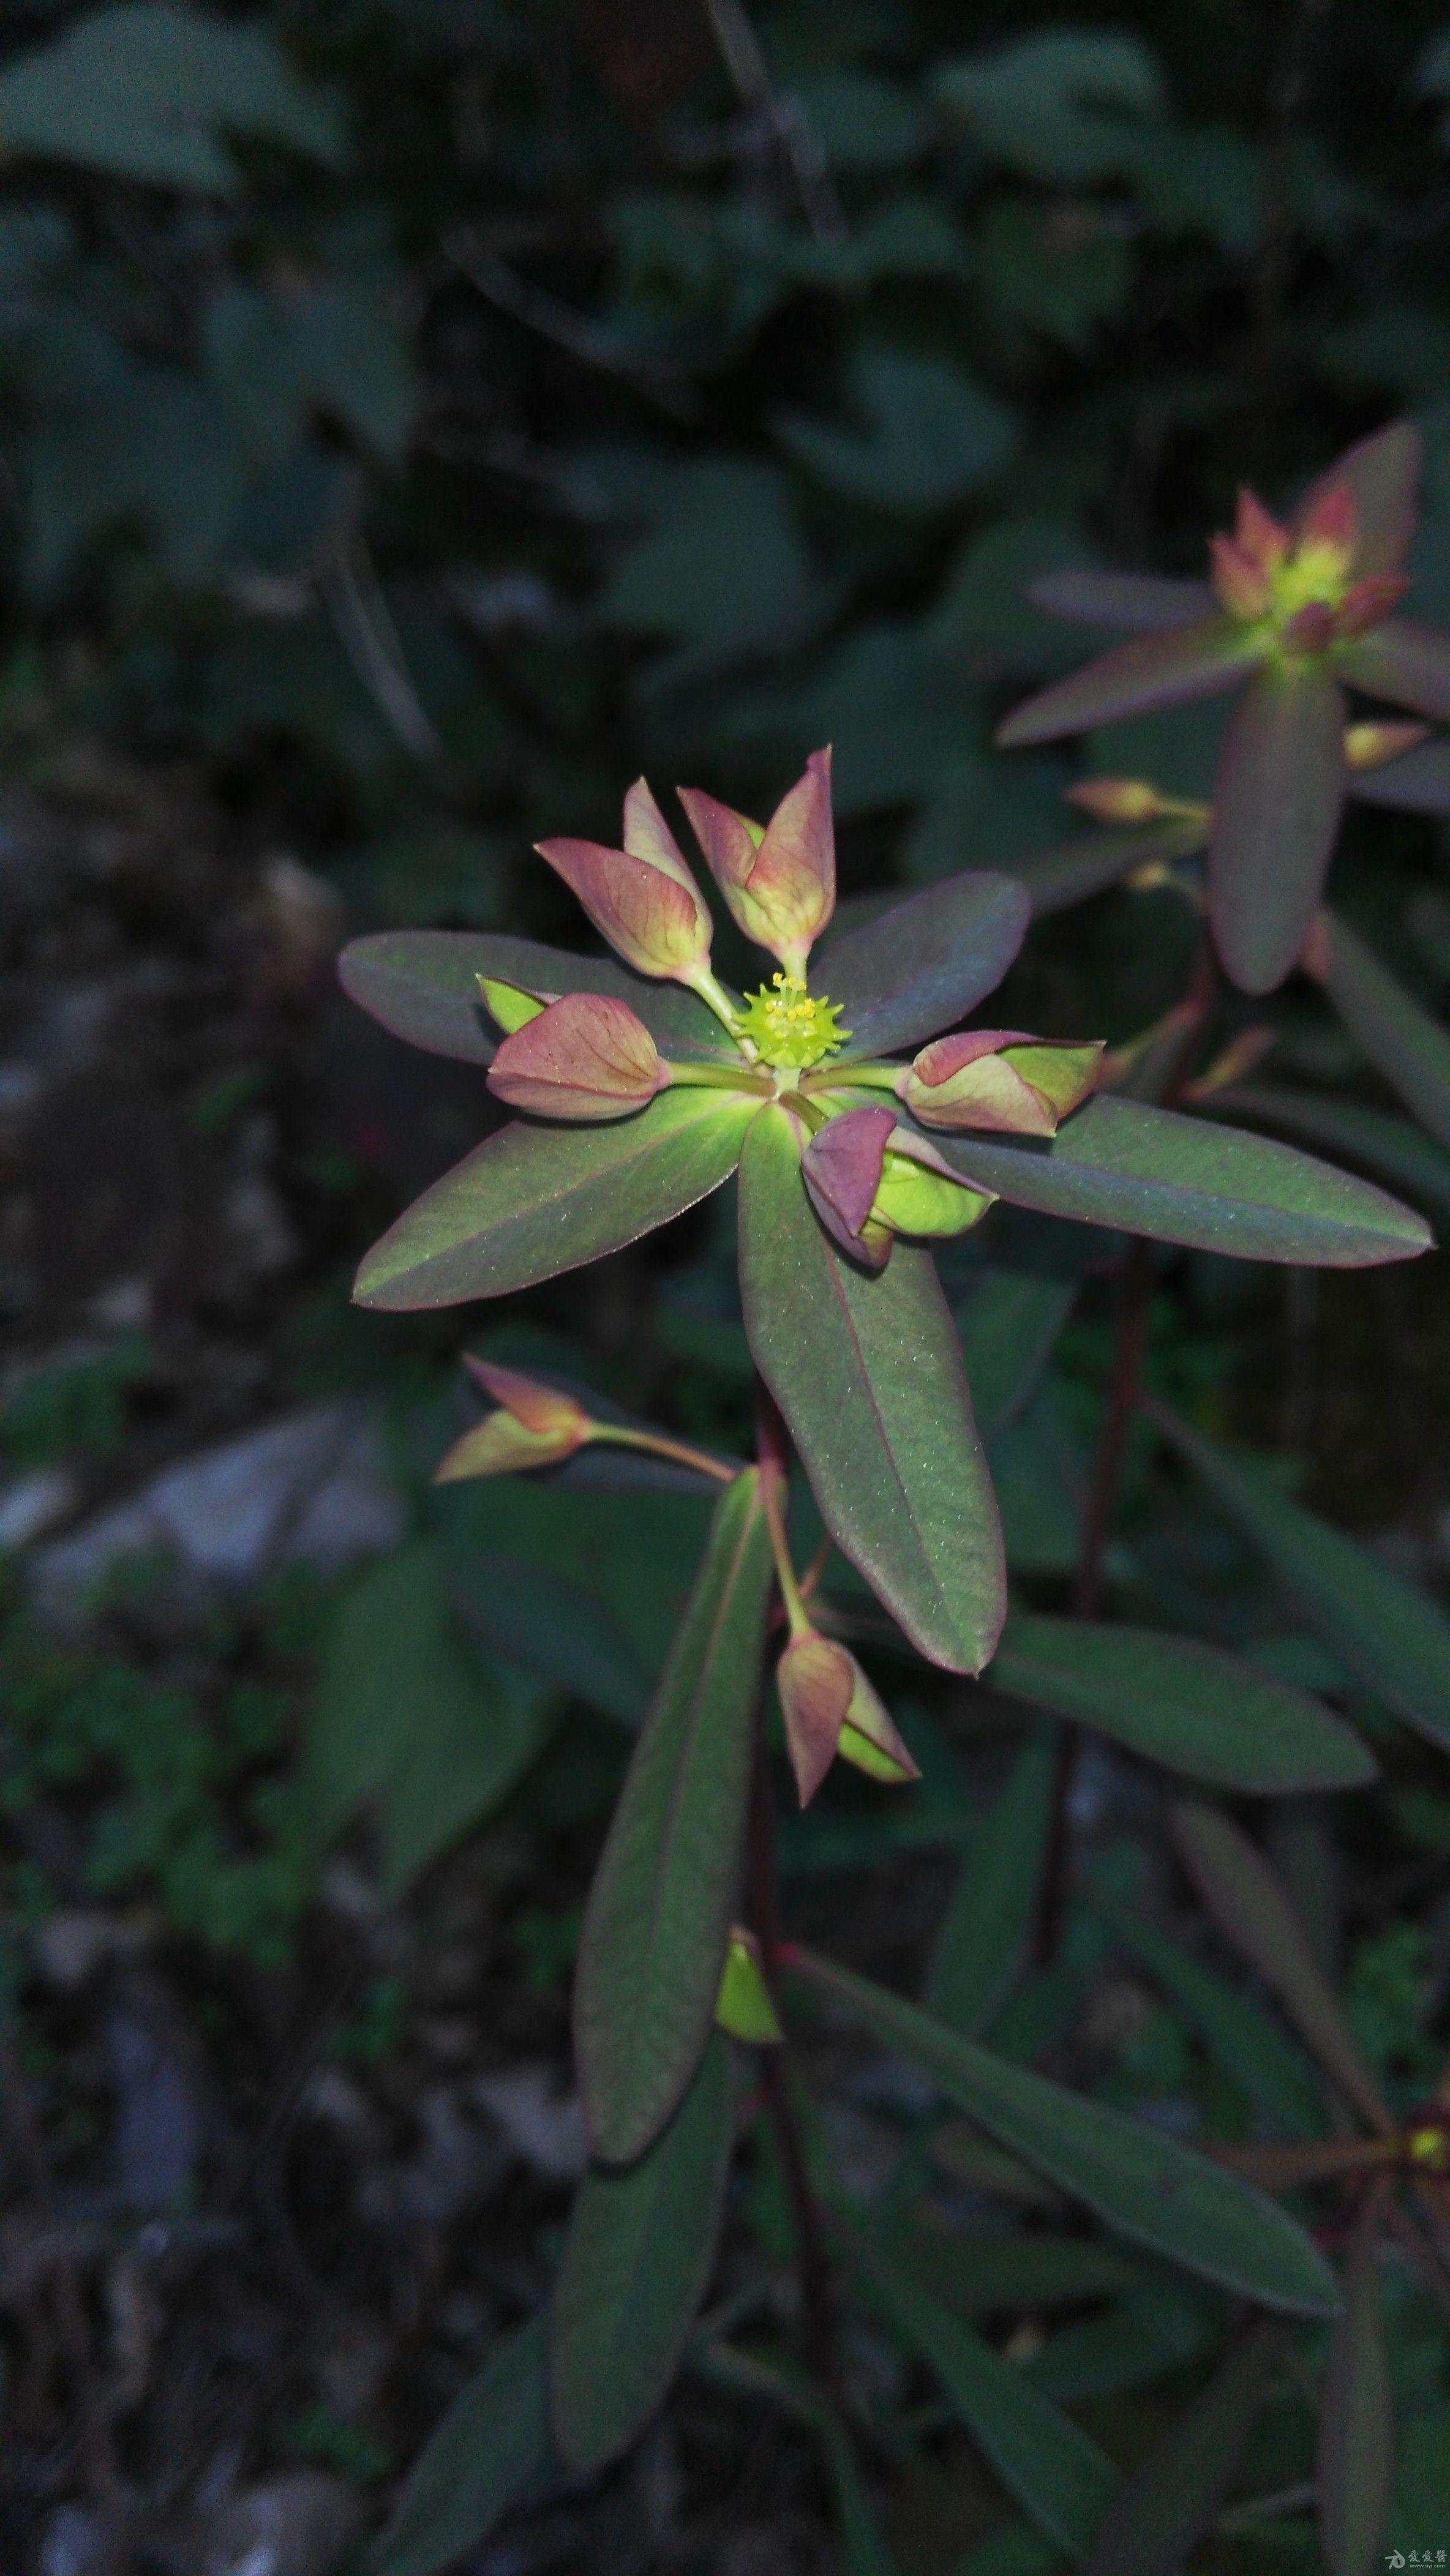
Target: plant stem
(656, 1445)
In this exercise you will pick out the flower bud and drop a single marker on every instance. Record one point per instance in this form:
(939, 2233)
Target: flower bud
(1001, 1079)
(744, 2007)
(829, 1707)
(780, 883)
(1240, 583)
(919, 1194)
(643, 897)
(1368, 746)
(1117, 800)
(869, 1179)
(534, 1426)
(586, 1056)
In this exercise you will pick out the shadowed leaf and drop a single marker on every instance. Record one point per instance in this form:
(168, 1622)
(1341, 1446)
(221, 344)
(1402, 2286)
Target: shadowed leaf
(492, 2445)
(636, 2263)
(1173, 2499)
(1401, 1039)
(423, 986)
(1094, 860)
(1356, 2424)
(1389, 1635)
(658, 1918)
(1403, 661)
(867, 1370)
(533, 1200)
(1251, 1904)
(1417, 783)
(1141, 602)
(984, 1934)
(1008, 1325)
(1162, 670)
(1382, 473)
(923, 965)
(1244, 2040)
(1053, 2468)
(1140, 2182)
(1276, 807)
(1150, 1171)
(1189, 1706)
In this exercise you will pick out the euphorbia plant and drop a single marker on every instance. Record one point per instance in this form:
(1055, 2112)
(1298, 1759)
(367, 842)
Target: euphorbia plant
(864, 1123)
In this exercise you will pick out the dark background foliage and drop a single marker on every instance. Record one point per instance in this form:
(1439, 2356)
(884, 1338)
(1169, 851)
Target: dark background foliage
(418, 417)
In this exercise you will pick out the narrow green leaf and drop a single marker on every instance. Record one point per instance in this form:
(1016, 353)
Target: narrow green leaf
(1174, 2498)
(1142, 2337)
(491, 2447)
(409, 1722)
(1165, 669)
(1008, 1326)
(1242, 2038)
(659, 1912)
(1387, 1633)
(1400, 1037)
(984, 1934)
(1356, 2424)
(1276, 806)
(978, 2271)
(925, 963)
(1092, 861)
(423, 986)
(1191, 1707)
(1186, 1180)
(1394, 1148)
(533, 1200)
(867, 1371)
(1140, 2182)
(1053, 2468)
(863, 2542)
(1249, 1901)
(636, 2263)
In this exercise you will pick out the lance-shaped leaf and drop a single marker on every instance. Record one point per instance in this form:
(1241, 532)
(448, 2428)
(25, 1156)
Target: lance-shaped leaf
(1174, 2498)
(1054, 2469)
(1189, 1706)
(1403, 661)
(1242, 2038)
(1053, 879)
(491, 2447)
(531, 1201)
(1008, 1326)
(637, 2260)
(1381, 1627)
(1417, 783)
(924, 964)
(423, 986)
(1141, 603)
(984, 1934)
(1382, 476)
(1393, 1147)
(1250, 1903)
(1277, 801)
(868, 1374)
(1401, 1039)
(1167, 669)
(1356, 2423)
(1140, 2182)
(659, 1912)
(1150, 1171)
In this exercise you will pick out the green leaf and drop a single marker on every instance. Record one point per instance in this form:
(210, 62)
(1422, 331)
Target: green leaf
(534, 1200)
(1252, 1905)
(1356, 2424)
(984, 1934)
(407, 1722)
(1059, 104)
(1168, 669)
(922, 965)
(1143, 2337)
(1189, 1706)
(1140, 602)
(1276, 808)
(491, 2447)
(1385, 1631)
(1140, 2182)
(1054, 2469)
(1392, 1147)
(1401, 1039)
(1173, 2499)
(423, 986)
(868, 1373)
(1149, 1171)
(931, 435)
(637, 2259)
(978, 2271)
(1008, 1326)
(148, 91)
(863, 2543)
(723, 569)
(1240, 2036)
(1403, 661)
(659, 1912)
